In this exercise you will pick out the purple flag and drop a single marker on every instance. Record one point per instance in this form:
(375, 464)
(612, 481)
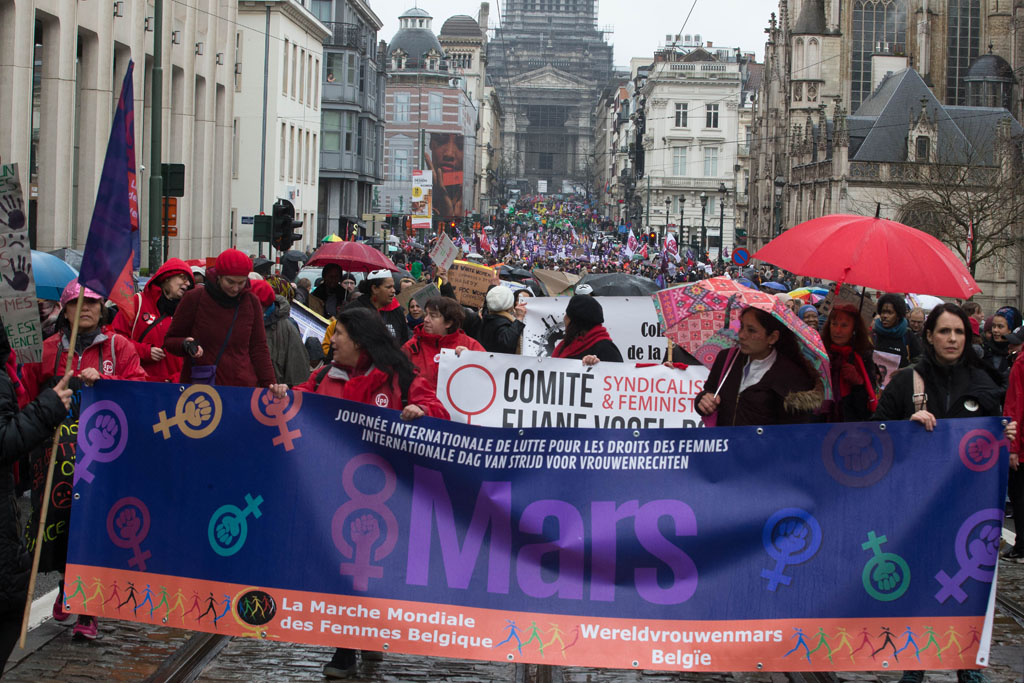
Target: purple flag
(110, 248)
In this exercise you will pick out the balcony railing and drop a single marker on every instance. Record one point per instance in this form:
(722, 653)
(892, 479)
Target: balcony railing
(346, 35)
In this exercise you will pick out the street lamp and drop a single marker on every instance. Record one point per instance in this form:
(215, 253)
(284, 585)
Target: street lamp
(703, 228)
(721, 220)
(780, 183)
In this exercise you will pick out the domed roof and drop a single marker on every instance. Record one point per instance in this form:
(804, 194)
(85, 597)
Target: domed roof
(990, 67)
(415, 12)
(461, 25)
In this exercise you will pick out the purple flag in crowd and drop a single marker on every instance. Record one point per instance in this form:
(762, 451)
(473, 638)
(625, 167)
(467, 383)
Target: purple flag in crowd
(110, 248)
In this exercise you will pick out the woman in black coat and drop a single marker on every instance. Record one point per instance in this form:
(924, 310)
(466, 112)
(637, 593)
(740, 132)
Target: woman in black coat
(765, 381)
(20, 432)
(585, 336)
(956, 384)
(502, 328)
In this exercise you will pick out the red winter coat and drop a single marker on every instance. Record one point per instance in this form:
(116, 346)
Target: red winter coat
(149, 326)
(424, 350)
(373, 388)
(246, 359)
(1013, 406)
(113, 355)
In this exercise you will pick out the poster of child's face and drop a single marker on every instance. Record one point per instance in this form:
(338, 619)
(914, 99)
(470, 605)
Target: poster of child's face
(446, 162)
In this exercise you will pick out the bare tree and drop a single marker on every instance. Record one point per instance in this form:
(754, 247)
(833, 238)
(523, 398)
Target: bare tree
(984, 195)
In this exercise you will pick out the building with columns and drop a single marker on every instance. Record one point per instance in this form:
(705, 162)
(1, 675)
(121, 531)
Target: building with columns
(61, 66)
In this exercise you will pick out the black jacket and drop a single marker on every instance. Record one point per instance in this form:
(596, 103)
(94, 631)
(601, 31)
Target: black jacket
(787, 394)
(605, 350)
(959, 390)
(394, 319)
(20, 432)
(498, 334)
(854, 406)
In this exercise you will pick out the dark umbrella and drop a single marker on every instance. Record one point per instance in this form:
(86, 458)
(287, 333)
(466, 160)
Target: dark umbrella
(619, 284)
(777, 286)
(513, 273)
(262, 265)
(291, 261)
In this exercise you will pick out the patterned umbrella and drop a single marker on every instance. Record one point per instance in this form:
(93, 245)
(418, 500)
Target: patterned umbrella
(694, 316)
(690, 314)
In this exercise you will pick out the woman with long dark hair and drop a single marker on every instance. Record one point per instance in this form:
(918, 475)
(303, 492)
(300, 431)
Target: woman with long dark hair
(368, 367)
(762, 381)
(585, 335)
(854, 374)
(948, 381)
(378, 294)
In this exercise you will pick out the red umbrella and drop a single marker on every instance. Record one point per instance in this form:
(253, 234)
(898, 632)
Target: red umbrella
(873, 252)
(353, 256)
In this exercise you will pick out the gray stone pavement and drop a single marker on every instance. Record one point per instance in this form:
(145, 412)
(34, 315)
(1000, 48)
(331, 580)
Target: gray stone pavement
(130, 652)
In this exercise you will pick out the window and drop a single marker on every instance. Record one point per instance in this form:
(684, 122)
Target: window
(335, 66)
(964, 43)
(291, 153)
(681, 114)
(401, 164)
(923, 148)
(322, 9)
(350, 71)
(436, 108)
(284, 150)
(312, 160)
(679, 161)
(234, 148)
(284, 70)
(401, 107)
(330, 128)
(711, 120)
(711, 209)
(877, 24)
(710, 162)
(348, 121)
(302, 80)
(546, 161)
(300, 160)
(295, 68)
(316, 84)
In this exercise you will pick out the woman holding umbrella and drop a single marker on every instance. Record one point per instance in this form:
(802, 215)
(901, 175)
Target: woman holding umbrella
(763, 381)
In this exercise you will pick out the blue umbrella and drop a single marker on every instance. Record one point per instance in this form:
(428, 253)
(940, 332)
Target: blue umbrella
(51, 274)
(777, 286)
(746, 283)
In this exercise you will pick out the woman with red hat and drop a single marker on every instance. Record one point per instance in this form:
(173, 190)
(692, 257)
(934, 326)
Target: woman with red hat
(97, 355)
(154, 308)
(218, 329)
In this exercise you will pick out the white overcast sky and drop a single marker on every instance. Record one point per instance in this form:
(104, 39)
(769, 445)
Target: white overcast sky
(638, 26)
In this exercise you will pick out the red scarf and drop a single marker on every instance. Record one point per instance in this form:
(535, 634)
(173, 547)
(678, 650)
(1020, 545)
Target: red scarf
(845, 387)
(581, 343)
(19, 388)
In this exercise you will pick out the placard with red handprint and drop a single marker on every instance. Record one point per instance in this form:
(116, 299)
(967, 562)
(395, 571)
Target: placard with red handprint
(17, 285)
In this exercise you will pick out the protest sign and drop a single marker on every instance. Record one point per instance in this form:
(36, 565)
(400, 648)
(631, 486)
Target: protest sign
(887, 364)
(555, 282)
(421, 292)
(309, 322)
(585, 547)
(17, 283)
(444, 252)
(631, 321)
(503, 390)
(471, 282)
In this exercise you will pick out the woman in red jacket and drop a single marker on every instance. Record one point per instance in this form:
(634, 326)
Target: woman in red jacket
(219, 329)
(369, 368)
(155, 306)
(97, 355)
(440, 330)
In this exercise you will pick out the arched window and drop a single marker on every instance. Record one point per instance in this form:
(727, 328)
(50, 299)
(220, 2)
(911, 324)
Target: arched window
(813, 58)
(798, 58)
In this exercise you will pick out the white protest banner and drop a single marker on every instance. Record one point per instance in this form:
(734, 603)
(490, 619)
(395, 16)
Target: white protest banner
(505, 390)
(309, 322)
(444, 252)
(887, 364)
(17, 284)
(631, 321)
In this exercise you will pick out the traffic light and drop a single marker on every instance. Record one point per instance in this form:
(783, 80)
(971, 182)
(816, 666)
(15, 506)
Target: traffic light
(653, 239)
(284, 225)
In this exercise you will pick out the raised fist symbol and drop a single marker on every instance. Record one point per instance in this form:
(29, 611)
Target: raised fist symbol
(979, 450)
(789, 536)
(20, 280)
(856, 451)
(103, 433)
(197, 411)
(14, 216)
(269, 405)
(885, 576)
(228, 529)
(365, 530)
(984, 549)
(128, 524)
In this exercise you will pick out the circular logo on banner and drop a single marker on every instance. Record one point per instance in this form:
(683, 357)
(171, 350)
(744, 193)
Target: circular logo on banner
(979, 450)
(471, 390)
(256, 607)
(740, 256)
(417, 192)
(856, 456)
(381, 400)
